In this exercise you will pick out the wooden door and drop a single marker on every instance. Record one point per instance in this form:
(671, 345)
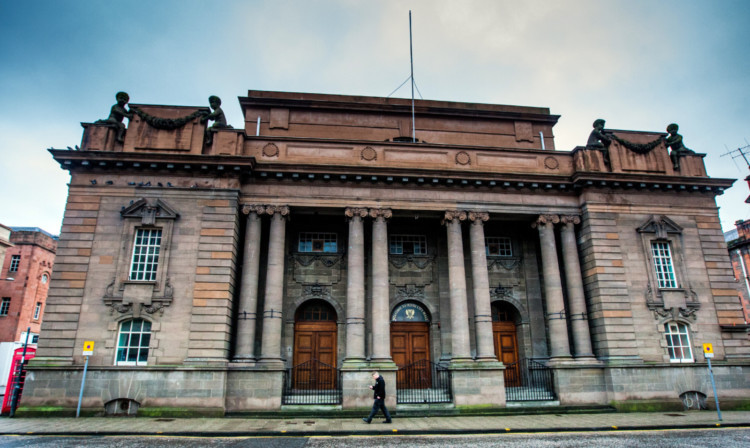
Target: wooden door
(506, 350)
(410, 343)
(315, 355)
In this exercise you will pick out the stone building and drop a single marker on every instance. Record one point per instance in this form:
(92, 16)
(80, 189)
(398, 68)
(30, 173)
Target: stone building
(4, 242)
(228, 270)
(26, 272)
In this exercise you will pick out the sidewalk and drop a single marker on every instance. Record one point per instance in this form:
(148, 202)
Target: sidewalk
(355, 426)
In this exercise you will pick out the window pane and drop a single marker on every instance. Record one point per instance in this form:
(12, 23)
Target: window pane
(143, 355)
(124, 338)
(137, 325)
(121, 354)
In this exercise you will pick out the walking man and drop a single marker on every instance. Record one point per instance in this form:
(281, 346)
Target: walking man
(379, 395)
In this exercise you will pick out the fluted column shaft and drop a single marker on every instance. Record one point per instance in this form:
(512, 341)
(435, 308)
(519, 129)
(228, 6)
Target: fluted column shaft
(556, 316)
(355, 287)
(247, 319)
(576, 300)
(381, 340)
(272, 316)
(480, 279)
(457, 278)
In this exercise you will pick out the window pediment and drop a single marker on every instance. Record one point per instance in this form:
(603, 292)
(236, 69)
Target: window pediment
(661, 226)
(149, 213)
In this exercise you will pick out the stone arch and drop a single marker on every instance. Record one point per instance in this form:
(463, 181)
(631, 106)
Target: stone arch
(340, 314)
(523, 315)
(422, 304)
(415, 303)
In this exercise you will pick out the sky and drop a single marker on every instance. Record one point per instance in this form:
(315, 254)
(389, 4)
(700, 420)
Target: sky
(639, 64)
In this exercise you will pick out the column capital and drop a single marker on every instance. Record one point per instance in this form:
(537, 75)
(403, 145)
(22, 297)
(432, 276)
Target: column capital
(450, 215)
(384, 213)
(478, 217)
(258, 209)
(352, 212)
(545, 219)
(281, 210)
(570, 219)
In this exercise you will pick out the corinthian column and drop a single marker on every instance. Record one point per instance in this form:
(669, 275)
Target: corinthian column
(480, 279)
(381, 341)
(556, 317)
(271, 343)
(457, 278)
(355, 287)
(576, 300)
(247, 318)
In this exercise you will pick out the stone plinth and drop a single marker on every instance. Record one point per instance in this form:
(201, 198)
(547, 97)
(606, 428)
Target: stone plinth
(252, 389)
(356, 380)
(478, 383)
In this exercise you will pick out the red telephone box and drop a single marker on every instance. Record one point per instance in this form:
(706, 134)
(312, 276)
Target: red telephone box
(13, 376)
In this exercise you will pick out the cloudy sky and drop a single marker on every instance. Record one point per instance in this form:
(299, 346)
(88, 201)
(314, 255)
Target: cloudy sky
(640, 64)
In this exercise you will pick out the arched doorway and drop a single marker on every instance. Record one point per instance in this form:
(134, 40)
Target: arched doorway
(506, 342)
(315, 345)
(410, 343)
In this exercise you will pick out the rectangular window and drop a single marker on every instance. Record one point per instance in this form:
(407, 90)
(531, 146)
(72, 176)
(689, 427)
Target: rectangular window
(499, 246)
(317, 242)
(5, 306)
(663, 264)
(678, 342)
(15, 260)
(408, 245)
(145, 255)
(37, 310)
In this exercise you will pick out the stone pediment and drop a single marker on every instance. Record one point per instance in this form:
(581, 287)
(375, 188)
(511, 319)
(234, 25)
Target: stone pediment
(149, 213)
(661, 226)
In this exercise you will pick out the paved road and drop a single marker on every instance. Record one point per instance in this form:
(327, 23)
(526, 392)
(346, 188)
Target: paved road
(709, 438)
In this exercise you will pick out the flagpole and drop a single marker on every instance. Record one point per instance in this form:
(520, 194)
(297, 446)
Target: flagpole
(411, 59)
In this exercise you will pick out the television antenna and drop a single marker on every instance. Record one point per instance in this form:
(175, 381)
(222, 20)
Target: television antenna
(413, 84)
(743, 152)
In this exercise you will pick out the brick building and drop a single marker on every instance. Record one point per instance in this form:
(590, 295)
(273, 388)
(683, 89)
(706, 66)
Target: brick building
(27, 270)
(236, 270)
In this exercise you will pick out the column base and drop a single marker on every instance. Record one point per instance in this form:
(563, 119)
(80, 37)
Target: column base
(478, 384)
(271, 364)
(245, 360)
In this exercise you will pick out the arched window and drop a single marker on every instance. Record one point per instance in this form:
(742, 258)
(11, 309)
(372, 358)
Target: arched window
(678, 342)
(132, 343)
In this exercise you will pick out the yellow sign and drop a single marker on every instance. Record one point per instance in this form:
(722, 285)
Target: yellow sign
(88, 348)
(708, 351)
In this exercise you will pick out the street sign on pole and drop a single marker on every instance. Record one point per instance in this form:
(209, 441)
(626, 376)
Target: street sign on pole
(88, 350)
(708, 353)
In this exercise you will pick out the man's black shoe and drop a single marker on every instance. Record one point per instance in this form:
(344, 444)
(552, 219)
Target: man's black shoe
(365, 420)
(386, 421)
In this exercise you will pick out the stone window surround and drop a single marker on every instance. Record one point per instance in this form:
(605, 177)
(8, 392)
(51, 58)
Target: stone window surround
(133, 222)
(117, 343)
(662, 331)
(37, 311)
(112, 342)
(5, 306)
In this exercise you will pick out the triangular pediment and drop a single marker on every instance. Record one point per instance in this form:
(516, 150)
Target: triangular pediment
(661, 226)
(149, 212)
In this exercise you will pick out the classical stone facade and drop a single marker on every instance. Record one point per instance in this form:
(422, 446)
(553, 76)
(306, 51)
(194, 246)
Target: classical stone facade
(263, 266)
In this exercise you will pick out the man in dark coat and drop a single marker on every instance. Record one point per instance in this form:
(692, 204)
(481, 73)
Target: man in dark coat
(379, 395)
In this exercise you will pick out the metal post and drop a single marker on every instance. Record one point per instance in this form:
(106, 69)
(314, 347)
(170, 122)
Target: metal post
(713, 385)
(411, 60)
(83, 383)
(17, 385)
